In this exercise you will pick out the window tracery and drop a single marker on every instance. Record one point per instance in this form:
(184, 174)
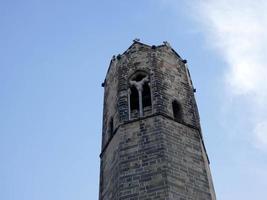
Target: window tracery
(139, 94)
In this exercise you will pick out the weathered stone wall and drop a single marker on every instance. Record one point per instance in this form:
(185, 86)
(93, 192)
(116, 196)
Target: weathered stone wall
(187, 177)
(110, 101)
(153, 157)
(172, 83)
(133, 165)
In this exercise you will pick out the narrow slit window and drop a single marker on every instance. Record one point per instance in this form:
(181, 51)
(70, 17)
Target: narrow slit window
(177, 111)
(111, 127)
(146, 95)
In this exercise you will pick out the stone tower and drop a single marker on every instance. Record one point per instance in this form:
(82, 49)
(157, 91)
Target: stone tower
(152, 146)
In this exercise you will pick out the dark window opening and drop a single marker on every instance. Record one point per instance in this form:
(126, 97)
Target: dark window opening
(177, 111)
(139, 77)
(146, 95)
(101, 176)
(111, 127)
(134, 99)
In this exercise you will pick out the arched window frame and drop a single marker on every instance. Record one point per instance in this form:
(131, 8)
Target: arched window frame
(139, 80)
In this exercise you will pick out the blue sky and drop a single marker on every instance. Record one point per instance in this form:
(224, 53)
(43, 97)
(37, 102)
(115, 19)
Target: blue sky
(54, 56)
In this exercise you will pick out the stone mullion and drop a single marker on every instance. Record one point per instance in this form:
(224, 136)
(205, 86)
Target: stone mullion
(129, 104)
(140, 89)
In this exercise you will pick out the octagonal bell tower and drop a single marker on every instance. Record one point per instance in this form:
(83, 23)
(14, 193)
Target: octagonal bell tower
(152, 145)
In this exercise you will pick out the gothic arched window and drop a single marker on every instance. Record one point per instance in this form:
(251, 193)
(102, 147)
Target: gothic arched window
(177, 111)
(139, 94)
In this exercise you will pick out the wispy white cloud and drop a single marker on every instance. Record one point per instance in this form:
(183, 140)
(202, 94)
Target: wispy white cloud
(237, 29)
